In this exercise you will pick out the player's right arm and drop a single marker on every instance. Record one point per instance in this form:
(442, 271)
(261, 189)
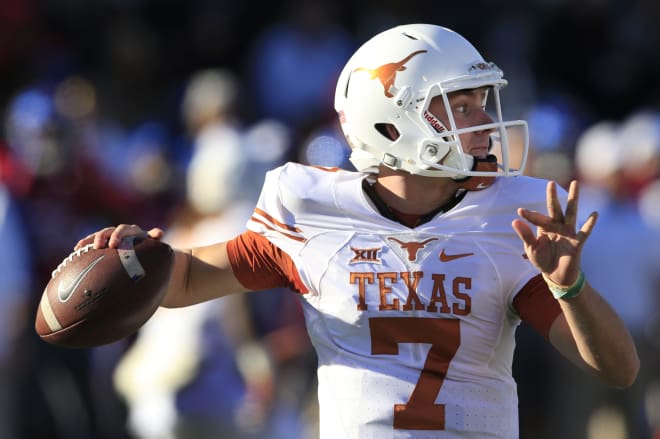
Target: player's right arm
(198, 274)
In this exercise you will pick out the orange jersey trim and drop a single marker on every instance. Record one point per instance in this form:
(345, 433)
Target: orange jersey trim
(272, 224)
(327, 168)
(258, 264)
(536, 306)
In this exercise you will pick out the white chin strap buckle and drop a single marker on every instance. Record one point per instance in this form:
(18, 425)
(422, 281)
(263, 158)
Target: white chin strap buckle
(389, 160)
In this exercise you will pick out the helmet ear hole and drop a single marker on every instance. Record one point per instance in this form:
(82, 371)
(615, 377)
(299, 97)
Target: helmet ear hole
(388, 130)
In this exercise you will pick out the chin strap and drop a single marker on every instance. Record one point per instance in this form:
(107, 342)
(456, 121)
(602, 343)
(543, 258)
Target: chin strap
(477, 183)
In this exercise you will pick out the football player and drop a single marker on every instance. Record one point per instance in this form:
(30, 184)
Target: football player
(415, 271)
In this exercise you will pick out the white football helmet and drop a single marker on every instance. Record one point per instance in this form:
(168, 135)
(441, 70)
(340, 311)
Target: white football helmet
(392, 78)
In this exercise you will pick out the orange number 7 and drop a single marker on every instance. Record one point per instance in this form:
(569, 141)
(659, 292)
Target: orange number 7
(420, 412)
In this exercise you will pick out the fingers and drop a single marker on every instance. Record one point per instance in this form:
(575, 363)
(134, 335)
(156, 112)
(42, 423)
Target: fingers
(122, 231)
(556, 214)
(572, 211)
(570, 217)
(97, 238)
(536, 218)
(523, 230)
(112, 236)
(587, 227)
(156, 233)
(555, 211)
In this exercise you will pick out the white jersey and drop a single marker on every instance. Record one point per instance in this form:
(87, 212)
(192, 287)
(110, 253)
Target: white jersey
(413, 327)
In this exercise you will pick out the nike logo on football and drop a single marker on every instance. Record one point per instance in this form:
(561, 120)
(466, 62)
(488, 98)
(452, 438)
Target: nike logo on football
(444, 257)
(64, 292)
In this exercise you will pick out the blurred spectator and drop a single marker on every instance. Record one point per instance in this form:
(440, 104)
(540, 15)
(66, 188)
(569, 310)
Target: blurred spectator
(15, 287)
(60, 187)
(555, 122)
(225, 151)
(294, 64)
(640, 143)
(218, 161)
(56, 138)
(621, 259)
(583, 48)
(208, 371)
(267, 144)
(326, 146)
(649, 200)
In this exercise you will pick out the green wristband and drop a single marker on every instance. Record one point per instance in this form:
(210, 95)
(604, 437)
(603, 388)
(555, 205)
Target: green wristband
(569, 292)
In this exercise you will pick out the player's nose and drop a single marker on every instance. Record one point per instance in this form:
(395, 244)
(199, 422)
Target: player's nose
(483, 118)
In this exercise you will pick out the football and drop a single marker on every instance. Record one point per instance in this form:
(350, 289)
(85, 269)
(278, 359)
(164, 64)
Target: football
(99, 296)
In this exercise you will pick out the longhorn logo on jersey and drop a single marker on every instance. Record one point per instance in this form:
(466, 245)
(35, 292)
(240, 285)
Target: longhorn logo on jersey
(412, 248)
(386, 73)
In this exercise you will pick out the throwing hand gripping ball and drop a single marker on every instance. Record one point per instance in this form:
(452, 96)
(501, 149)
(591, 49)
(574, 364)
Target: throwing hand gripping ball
(99, 296)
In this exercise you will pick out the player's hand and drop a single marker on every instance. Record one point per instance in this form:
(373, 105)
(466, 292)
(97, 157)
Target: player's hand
(112, 236)
(556, 247)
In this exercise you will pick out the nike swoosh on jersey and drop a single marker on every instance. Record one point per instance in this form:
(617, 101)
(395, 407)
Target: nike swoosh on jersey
(64, 292)
(444, 257)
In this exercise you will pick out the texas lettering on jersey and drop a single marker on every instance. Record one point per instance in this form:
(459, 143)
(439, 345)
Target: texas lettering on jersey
(437, 302)
(445, 296)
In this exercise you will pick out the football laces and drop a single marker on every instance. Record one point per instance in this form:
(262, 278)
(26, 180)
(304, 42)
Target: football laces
(69, 258)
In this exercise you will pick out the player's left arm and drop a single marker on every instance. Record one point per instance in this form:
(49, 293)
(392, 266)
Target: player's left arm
(589, 332)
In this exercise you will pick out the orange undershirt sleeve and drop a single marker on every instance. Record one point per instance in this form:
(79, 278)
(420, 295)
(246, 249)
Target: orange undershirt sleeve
(536, 306)
(260, 265)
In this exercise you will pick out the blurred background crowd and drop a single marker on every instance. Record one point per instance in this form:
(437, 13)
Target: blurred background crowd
(167, 113)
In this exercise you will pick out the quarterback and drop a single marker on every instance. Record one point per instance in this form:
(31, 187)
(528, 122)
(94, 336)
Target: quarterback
(415, 271)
